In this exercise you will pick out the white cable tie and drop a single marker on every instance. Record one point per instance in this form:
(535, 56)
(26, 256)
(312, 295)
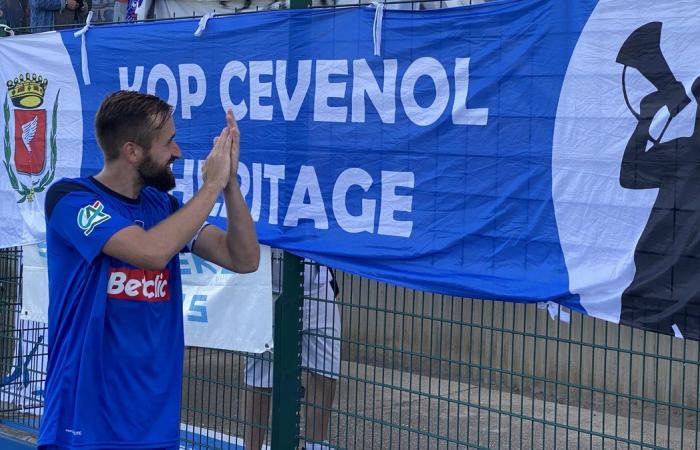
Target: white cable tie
(7, 29)
(564, 316)
(677, 331)
(203, 24)
(555, 310)
(83, 49)
(84, 30)
(377, 26)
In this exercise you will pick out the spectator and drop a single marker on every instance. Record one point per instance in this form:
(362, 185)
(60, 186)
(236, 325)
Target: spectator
(120, 10)
(125, 10)
(73, 17)
(102, 11)
(3, 33)
(12, 13)
(41, 12)
(320, 357)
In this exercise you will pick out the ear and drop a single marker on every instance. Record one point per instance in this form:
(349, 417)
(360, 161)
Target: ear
(132, 152)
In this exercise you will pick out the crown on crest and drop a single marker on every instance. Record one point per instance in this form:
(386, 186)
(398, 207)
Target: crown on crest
(26, 91)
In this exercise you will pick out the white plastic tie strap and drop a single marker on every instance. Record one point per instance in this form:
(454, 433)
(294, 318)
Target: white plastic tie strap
(7, 29)
(203, 24)
(377, 26)
(83, 49)
(555, 310)
(677, 331)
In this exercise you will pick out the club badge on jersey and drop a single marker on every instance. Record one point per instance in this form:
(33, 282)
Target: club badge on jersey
(90, 216)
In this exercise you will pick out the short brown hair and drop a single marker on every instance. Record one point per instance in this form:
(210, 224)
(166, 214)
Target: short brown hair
(128, 116)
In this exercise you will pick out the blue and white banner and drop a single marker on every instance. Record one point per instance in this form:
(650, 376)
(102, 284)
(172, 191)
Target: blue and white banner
(522, 150)
(221, 309)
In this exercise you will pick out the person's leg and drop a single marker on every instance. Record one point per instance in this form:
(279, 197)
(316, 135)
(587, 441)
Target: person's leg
(257, 414)
(320, 392)
(321, 359)
(256, 400)
(119, 12)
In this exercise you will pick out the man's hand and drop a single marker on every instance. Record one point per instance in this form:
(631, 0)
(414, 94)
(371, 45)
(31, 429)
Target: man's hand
(235, 146)
(72, 5)
(216, 171)
(236, 248)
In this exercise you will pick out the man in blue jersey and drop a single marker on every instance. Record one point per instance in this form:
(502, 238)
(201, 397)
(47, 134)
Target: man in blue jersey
(116, 338)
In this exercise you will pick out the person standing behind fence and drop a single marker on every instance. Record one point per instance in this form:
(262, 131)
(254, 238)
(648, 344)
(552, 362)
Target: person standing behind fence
(12, 13)
(125, 10)
(75, 17)
(41, 13)
(115, 333)
(320, 356)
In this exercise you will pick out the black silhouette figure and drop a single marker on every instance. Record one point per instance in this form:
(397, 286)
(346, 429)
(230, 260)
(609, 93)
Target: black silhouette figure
(665, 290)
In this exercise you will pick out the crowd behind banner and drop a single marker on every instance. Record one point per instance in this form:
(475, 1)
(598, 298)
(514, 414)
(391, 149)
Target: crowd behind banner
(15, 14)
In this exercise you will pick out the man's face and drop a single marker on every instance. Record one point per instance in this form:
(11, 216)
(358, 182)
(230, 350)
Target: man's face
(155, 168)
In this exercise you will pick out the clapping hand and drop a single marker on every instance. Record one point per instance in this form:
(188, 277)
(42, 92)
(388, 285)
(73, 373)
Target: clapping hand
(235, 134)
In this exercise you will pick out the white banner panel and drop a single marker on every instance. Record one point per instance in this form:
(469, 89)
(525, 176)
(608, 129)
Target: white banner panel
(222, 309)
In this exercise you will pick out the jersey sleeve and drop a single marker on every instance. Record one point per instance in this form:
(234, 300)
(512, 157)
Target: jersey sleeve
(83, 221)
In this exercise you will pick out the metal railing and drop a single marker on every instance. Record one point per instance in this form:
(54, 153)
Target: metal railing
(418, 370)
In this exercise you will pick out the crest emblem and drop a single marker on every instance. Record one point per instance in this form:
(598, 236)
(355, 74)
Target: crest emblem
(30, 141)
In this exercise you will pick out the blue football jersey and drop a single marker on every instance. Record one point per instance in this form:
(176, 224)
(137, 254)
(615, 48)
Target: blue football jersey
(116, 338)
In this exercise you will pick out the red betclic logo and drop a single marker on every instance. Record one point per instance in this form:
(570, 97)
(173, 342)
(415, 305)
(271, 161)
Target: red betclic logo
(138, 284)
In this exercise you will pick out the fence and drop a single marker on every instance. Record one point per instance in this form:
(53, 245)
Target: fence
(417, 370)
(423, 371)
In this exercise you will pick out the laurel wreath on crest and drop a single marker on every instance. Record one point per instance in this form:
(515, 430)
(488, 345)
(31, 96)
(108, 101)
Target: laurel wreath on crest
(27, 192)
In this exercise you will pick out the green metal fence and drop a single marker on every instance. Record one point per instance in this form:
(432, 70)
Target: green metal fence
(425, 371)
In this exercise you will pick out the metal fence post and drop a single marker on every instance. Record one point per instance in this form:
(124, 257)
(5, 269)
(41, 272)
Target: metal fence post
(286, 377)
(286, 374)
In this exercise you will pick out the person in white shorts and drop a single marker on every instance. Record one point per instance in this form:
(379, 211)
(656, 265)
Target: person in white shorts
(320, 356)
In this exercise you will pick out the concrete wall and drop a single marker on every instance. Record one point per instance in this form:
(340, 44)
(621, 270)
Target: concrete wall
(516, 347)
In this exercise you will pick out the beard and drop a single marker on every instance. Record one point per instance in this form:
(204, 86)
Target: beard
(157, 176)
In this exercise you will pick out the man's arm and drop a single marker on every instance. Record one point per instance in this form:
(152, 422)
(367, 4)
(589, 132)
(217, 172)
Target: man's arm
(153, 249)
(237, 248)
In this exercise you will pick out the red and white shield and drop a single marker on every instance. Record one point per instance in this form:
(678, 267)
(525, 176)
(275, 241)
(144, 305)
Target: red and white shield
(30, 141)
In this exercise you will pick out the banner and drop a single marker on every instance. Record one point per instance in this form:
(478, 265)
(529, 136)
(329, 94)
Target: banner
(22, 385)
(222, 309)
(530, 150)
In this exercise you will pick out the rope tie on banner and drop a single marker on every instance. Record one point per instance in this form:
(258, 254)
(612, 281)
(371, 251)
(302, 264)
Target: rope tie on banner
(677, 331)
(203, 24)
(555, 310)
(7, 29)
(377, 26)
(83, 49)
